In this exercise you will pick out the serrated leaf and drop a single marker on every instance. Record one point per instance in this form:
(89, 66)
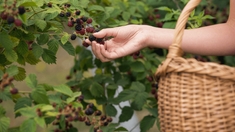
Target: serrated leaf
(110, 110)
(139, 101)
(96, 89)
(12, 70)
(6, 41)
(5, 95)
(37, 50)
(125, 95)
(31, 59)
(15, 129)
(138, 86)
(146, 123)
(21, 74)
(137, 66)
(52, 113)
(69, 48)
(153, 111)
(43, 39)
(53, 45)
(28, 126)
(10, 55)
(48, 56)
(64, 38)
(31, 81)
(2, 111)
(64, 89)
(4, 124)
(74, 96)
(40, 121)
(95, 8)
(21, 103)
(22, 48)
(41, 24)
(126, 114)
(39, 95)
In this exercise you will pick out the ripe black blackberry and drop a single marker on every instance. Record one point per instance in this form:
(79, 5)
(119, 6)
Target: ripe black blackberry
(89, 111)
(78, 21)
(68, 14)
(77, 12)
(62, 14)
(21, 10)
(10, 19)
(73, 37)
(92, 38)
(84, 19)
(49, 4)
(78, 27)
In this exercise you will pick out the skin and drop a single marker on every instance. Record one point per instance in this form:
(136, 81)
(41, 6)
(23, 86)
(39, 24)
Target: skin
(215, 40)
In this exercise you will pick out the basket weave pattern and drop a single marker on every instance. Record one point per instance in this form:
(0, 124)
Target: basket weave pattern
(194, 96)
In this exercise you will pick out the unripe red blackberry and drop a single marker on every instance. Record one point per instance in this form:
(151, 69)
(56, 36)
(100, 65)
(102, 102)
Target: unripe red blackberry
(70, 23)
(89, 21)
(156, 96)
(18, 22)
(4, 15)
(21, 10)
(153, 90)
(10, 19)
(85, 44)
(14, 90)
(109, 119)
(82, 32)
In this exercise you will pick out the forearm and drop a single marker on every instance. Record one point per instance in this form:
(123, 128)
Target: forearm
(211, 40)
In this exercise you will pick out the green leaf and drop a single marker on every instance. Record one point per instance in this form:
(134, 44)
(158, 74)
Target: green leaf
(137, 66)
(125, 95)
(29, 112)
(40, 121)
(31, 59)
(2, 111)
(11, 55)
(22, 48)
(21, 103)
(74, 96)
(41, 24)
(65, 38)
(6, 41)
(126, 114)
(169, 25)
(31, 81)
(153, 111)
(47, 108)
(95, 8)
(126, 16)
(4, 124)
(14, 129)
(39, 95)
(146, 123)
(164, 8)
(12, 70)
(64, 89)
(27, 4)
(48, 56)
(96, 89)
(138, 86)
(43, 39)
(37, 50)
(21, 74)
(28, 126)
(53, 45)
(110, 110)
(139, 100)
(69, 48)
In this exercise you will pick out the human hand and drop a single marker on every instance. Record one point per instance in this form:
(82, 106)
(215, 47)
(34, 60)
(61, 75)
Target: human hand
(125, 41)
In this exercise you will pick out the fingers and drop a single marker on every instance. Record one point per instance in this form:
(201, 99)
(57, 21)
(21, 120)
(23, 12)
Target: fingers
(97, 50)
(108, 32)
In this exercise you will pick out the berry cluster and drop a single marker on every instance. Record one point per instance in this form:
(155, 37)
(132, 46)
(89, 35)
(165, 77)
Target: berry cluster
(136, 55)
(154, 87)
(155, 17)
(82, 25)
(11, 12)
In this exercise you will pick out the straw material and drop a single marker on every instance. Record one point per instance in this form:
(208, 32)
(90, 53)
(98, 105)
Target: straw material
(194, 96)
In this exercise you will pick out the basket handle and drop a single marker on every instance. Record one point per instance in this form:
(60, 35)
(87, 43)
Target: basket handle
(175, 48)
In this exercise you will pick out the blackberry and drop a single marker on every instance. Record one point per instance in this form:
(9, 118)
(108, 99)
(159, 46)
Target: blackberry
(78, 21)
(70, 23)
(98, 113)
(92, 38)
(77, 12)
(78, 27)
(14, 91)
(49, 4)
(84, 19)
(89, 21)
(99, 40)
(68, 14)
(73, 37)
(103, 117)
(85, 44)
(91, 105)
(89, 111)
(62, 14)
(18, 22)
(68, 5)
(10, 19)
(4, 15)
(88, 123)
(21, 10)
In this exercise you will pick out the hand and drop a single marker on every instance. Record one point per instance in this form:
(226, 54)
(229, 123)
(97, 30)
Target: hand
(125, 41)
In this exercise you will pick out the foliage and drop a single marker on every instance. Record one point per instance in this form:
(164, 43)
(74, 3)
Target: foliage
(42, 33)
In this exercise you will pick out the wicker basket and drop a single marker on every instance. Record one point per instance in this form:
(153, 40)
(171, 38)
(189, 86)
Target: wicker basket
(194, 96)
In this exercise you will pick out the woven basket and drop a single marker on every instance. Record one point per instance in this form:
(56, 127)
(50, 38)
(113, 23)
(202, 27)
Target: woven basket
(194, 96)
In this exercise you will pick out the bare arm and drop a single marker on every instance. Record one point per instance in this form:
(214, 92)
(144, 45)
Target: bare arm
(211, 40)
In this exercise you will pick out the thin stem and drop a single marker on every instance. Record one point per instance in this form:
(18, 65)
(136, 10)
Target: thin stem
(135, 126)
(36, 13)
